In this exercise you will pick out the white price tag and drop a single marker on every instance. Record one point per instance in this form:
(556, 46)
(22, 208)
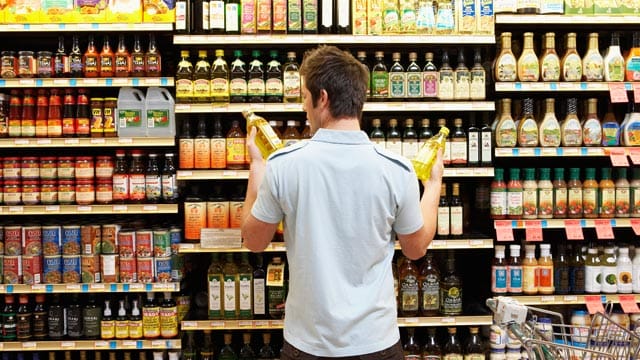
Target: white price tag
(97, 286)
(38, 287)
(570, 298)
(21, 142)
(98, 141)
(476, 243)
(61, 82)
(411, 320)
(261, 323)
(128, 343)
(448, 320)
(187, 325)
(67, 344)
(71, 141)
(185, 173)
(125, 140)
(277, 323)
(16, 209)
(89, 81)
(84, 208)
(150, 208)
(120, 207)
(439, 244)
(187, 246)
(245, 323)
(52, 208)
(157, 343)
(216, 324)
(101, 344)
(27, 82)
(29, 345)
(229, 173)
(546, 299)
(43, 141)
(73, 287)
(136, 286)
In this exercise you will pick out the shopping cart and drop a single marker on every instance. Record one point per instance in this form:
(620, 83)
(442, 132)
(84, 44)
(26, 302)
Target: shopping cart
(545, 336)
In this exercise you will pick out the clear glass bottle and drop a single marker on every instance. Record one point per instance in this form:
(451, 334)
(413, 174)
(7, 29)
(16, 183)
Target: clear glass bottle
(592, 62)
(549, 127)
(201, 79)
(506, 64)
(478, 89)
(549, 60)
(397, 79)
(452, 348)
(451, 290)
(220, 78)
(459, 144)
(409, 140)
(273, 85)
(291, 79)
(430, 77)
(446, 79)
(528, 64)
(414, 78)
(462, 78)
(256, 79)
(379, 79)
(571, 128)
(571, 63)
(237, 79)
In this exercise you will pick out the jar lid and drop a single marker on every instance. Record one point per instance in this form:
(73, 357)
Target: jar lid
(96, 99)
(84, 182)
(65, 158)
(48, 158)
(110, 99)
(84, 158)
(8, 53)
(44, 53)
(29, 158)
(30, 182)
(25, 53)
(12, 158)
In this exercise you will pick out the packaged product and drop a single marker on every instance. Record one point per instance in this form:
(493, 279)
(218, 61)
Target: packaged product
(124, 11)
(23, 12)
(159, 11)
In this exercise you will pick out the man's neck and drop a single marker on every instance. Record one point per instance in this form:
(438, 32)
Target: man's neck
(347, 124)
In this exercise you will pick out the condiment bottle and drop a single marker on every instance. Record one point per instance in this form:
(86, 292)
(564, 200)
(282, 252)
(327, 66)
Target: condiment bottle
(478, 78)
(561, 271)
(431, 350)
(506, 130)
(499, 272)
(61, 63)
(590, 194)
(458, 145)
(152, 59)
(218, 144)
(606, 195)
(136, 178)
(54, 115)
(55, 318)
(122, 323)
(609, 271)
(623, 195)
(107, 324)
(107, 61)
(273, 85)
(462, 78)
(527, 126)
(91, 317)
(624, 271)
(474, 144)
(123, 59)
(28, 119)
(137, 58)
(426, 156)
(614, 68)
(186, 146)
(506, 64)
(255, 79)
(379, 79)
(577, 271)
(42, 112)
(236, 141)
(571, 63)
(498, 195)
(560, 193)
(90, 60)
(591, 126)
(446, 155)
(150, 318)
(528, 64)
(168, 317)
(409, 140)
(514, 195)
(549, 59)
(446, 80)
(545, 268)
(39, 318)
(610, 128)
(237, 79)
(530, 272)
(634, 187)
(571, 128)
(529, 195)
(153, 184)
(202, 146)
(414, 78)
(408, 289)
(201, 79)
(514, 271)
(574, 194)
(549, 127)
(632, 70)
(545, 194)
(592, 62)
(397, 79)
(636, 269)
(291, 135)
(23, 319)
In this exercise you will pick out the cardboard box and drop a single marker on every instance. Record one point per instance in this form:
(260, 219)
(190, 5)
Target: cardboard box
(606, 7)
(578, 7)
(486, 20)
(159, 11)
(89, 11)
(125, 11)
(359, 17)
(630, 7)
(57, 11)
(23, 12)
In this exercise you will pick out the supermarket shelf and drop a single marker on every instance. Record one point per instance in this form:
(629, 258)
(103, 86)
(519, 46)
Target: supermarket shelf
(278, 324)
(244, 174)
(479, 243)
(370, 106)
(90, 345)
(89, 288)
(566, 299)
(85, 142)
(86, 27)
(330, 39)
(562, 223)
(560, 151)
(85, 82)
(556, 86)
(89, 209)
(566, 19)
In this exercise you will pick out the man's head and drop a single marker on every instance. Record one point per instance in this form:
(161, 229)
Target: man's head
(336, 82)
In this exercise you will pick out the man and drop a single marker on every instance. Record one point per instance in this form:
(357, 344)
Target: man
(341, 199)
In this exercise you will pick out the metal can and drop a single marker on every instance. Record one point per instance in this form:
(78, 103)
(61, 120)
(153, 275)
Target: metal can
(26, 64)
(51, 240)
(31, 270)
(71, 240)
(12, 192)
(128, 273)
(126, 243)
(85, 192)
(145, 267)
(85, 167)
(110, 267)
(32, 240)
(12, 269)
(30, 168)
(49, 192)
(175, 234)
(30, 192)
(44, 64)
(9, 67)
(162, 269)
(110, 238)
(66, 192)
(48, 168)
(161, 243)
(66, 168)
(90, 267)
(71, 269)
(90, 238)
(97, 117)
(144, 243)
(52, 269)
(13, 240)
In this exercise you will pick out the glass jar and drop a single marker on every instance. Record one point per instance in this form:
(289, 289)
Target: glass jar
(108, 115)
(104, 191)
(30, 192)
(44, 64)
(9, 68)
(49, 192)
(85, 168)
(11, 168)
(48, 168)
(66, 192)
(85, 192)
(30, 168)
(26, 64)
(104, 167)
(12, 192)
(66, 168)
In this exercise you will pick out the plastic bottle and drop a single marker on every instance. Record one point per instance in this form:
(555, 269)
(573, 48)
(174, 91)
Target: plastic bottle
(159, 107)
(574, 194)
(514, 195)
(636, 273)
(530, 272)
(499, 272)
(545, 269)
(609, 265)
(514, 271)
(593, 272)
(498, 195)
(623, 195)
(529, 195)
(559, 194)
(590, 194)
(634, 187)
(426, 157)
(132, 119)
(624, 271)
(266, 138)
(606, 195)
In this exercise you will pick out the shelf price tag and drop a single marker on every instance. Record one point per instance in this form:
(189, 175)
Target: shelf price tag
(570, 298)
(67, 344)
(636, 92)
(504, 231)
(29, 345)
(547, 299)
(628, 304)
(618, 158)
(594, 303)
(533, 230)
(157, 344)
(101, 344)
(188, 325)
(634, 154)
(448, 320)
(635, 225)
(573, 230)
(604, 229)
(618, 93)
(411, 320)
(261, 323)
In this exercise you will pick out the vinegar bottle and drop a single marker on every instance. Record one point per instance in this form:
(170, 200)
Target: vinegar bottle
(499, 272)
(266, 138)
(530, 272)
(426, 157)
(514, 271)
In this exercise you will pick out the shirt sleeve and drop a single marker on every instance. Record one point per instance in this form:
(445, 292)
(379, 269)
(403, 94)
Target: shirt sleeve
(267, 207)
(409, 215)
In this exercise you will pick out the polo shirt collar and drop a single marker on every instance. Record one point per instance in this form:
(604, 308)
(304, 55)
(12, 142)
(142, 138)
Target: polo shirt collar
(347, 137)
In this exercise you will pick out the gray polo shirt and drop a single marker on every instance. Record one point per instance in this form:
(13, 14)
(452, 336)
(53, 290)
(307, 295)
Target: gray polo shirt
(342, 199)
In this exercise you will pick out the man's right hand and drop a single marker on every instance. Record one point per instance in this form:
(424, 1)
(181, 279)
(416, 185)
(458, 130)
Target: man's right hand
(254, 153)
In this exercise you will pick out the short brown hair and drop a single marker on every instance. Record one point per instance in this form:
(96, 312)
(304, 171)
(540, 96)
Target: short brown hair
(343, 77)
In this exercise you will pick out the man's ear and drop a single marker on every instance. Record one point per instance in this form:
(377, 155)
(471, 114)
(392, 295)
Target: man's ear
(323, 97)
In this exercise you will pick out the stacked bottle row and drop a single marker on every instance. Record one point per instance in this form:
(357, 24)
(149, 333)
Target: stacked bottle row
(250, 80)
(452, 348)
(219, 208)
(93, 355)
(90, 64)
(450, 213)
(574, 199)
(592, 66)
(568, 270)
(50, 317)
(246, 350)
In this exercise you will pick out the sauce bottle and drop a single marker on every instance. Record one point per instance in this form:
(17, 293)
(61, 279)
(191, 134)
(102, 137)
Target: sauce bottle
(499, 272)
(414, 78)
(23, 319)
(136, 178)
(107, 324)
(42, 111)
(202, 146)
(429, 77)
(528, 64)
(170, 192)
(107, 61)
(150, 318)
(459, 145)
(135, 321)
(237, 79)
(514, 271)
(394, 139)
(61, 63)
(291, 135)
(608, 266)
(76, 60)
(610, 128)
(571, 63)
(571, 128)
(560, 194)
(55, 318)
(549, 127)
(574, 194)
(528, 126)
(429, 281)
(592, 62)
(291, 79)
(152, 59)
(446, 80)
(28, 122)
(431, 349)
(90, 60)
(153, 184)
(15, 114)
(137, 58)
(83, 114)
(39, 318)
(634, 187)
(473, 144)
(591, 126)
(606, 195)
(186, 147)
(545, 194)
(623, 195)
(514, 195)
(545, 268)
(506, 130)
(408, 289)
(529, 195)
(632, 67)
(168, 317)
(506, 64)
(255, 80)
(624, 271)
(530, 272)
(122, 323)
(549, 59)
(498, 195)
(614, 68)
(54, 114)
(478, 75)
(218, 146)
(590, 194)
(123, 60)
(236, 144)
(184, 79)
(220, 78)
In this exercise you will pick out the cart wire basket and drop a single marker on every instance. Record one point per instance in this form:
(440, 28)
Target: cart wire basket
(545, 336)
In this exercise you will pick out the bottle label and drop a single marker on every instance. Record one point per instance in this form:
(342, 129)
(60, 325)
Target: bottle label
(169, 185)
(120, 187)
(430, 293)
(218, 153)
(184, 88)
(245, 296)
(572, 69)
(515, 279)
(592, 132)
(592, 275)
(379, 84)
(477, 89)
(129, 119)
(409, 148)
(291, 81)
(530, 203)
(256, 87)
(514, 202)
(232, 23)
(451, 300)
(575, 201)
(397, 84)
(151, 322)
(499, 279)
(430, 83)
(168, 322)
(202, 149)
(238, 87)
(122, 329)
(530, 279)
(550, 67)
(463, 84)
(589, 201)
(456, 220)
(219, 87)
(215, 297)
(229, 296)
(446, 85)
(273, 87)
(487, 147)
(474, 148)
(186, 152)
(23, 326)
(259, 297)
(236, 151)
(506, 68)
(528, 133)
(607, 201)
(135, 329)
(572, 133)
(498, 202)
(560, 202)
(137, 187)
(459, 152)
(414, 85)
(216, 15)
(546, 277)
(409, 293)
(107, 329)
(443, 220)
(153, 187)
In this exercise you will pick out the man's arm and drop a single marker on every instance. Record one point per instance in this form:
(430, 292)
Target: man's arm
(256, 234)
(415, 245)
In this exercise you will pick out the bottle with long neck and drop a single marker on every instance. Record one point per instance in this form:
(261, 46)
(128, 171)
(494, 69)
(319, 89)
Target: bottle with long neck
(528, 127)
(549, 60)
(107, 61)
(462, 79)
(76, 62)
(220, 79)
(256, 81)
(90, 60)
(429, 77)
(137, 58)
(592, 62)
(506, 64)
(291, 79)
(614, 68)
(528, 64)
(273, 83)
(591, 126)
(571, 129)
(123, 59)
(632, 67)
(478, 75)
(549, 127)
(152, 59)
(446, 81)
(414, 78)
(397, 79)
(506, 131)
(379, 79)
(237, 79)
(571, 63)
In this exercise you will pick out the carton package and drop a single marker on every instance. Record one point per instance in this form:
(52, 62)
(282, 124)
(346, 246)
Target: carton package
(578, 7)
(629, 7)
(57, 11)
(90, 11)
(23, 12)
(159, 11)
(125, 11)
(486, 20)
(606, 7)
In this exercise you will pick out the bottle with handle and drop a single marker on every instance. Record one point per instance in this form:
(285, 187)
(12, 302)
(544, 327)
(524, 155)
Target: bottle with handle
(426, 157)
(266, 139)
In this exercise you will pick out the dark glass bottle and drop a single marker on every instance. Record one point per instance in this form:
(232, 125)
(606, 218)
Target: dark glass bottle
(486, 145)
(74, 318)
(137, 58)
(69, 114)
(39, 318)
(411, 349)
(107, 66)
(55, 319)
(76, 64)
(577, 271)
(227, 353)
(122, 59)
(450, 289)
(431, 349)
(379, 79)
(83, 114)
(189, 351)
(429, 281)
(362, 57)
(152, 59)
(90, 60)
(61, 61)
(561, 271)
(168, 178)
(459, 146)
(24, 319)
(452, 347)
(473, 144)
(152, 181)
(246, 352)
(207, 351)
(137, 193)
(266, 351)
(9, 322)
(91, 317)
(408, 289)
(259, 289)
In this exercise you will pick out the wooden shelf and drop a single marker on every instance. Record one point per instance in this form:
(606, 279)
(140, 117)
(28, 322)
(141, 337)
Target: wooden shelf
(85, 142)
(86, 27)
(86, 82)
(90, 345)
(313, 39)
(89, 288)
(566, 19)
(89, 209)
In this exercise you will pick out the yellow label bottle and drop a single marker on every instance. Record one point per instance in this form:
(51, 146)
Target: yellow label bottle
(528, 65)
(220, 79)
(571, 62)
(549, 60)
(506, 64)
(266, 138)
(592, 62)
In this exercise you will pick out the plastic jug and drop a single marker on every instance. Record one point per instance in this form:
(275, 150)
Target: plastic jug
(132, 119)
(159, 108)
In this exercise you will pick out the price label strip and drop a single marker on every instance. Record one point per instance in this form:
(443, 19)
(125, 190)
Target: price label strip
(628, 304)
(618, 93)
(594, 304)
(618, 158)
(533, 230)
(504, 230)
(604, 229)
(634, 154)
(573, 228)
